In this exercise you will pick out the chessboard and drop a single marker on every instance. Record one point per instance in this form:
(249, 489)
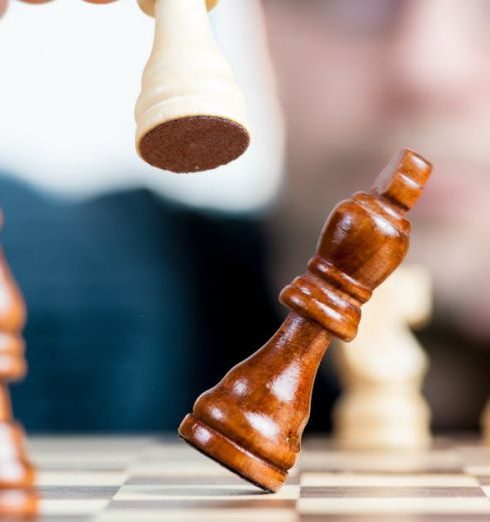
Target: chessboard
(141, 479)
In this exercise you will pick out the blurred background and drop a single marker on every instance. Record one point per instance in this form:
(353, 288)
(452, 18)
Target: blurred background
(137, 281)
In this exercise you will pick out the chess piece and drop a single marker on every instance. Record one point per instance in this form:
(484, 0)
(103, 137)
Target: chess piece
(17, 494)
(3, 7)
(383, 367)
(252, 421)
(190, 115)
(485, 423)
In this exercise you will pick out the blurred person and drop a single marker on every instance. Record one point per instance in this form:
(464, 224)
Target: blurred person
(133, 297)
(359, 79)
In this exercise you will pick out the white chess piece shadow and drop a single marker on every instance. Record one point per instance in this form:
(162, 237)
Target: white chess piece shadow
(383, 368)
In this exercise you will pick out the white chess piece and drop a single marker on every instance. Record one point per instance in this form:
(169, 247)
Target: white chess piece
(190, 115)
(382, 369)
(485, 423)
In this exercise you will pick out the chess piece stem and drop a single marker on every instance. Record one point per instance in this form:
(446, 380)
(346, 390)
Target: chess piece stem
(282, 373)
(252, 421)
(190, 115)
(5, 404)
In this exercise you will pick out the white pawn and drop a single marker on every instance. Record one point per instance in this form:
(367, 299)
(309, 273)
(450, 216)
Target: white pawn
(190, 115)
(485, 423)
(382, 369)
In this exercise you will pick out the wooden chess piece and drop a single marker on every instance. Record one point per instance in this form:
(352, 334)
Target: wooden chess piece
(382, 369)
(3, 7)
(17, 494)
(252, 421)
(485, 423)
(190, 115)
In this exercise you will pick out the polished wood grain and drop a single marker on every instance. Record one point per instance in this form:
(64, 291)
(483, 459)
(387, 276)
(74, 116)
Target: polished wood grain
(17, 475)
(253, 420)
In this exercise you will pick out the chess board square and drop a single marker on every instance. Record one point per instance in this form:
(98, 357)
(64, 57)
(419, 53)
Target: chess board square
(69, 507)
(65, 518)
(201, 515)
(81, 478)
(422, 480)
(478, 470)
(77, 492)
(435, 461)
(395, 505)
(206, 492)
(389, 492)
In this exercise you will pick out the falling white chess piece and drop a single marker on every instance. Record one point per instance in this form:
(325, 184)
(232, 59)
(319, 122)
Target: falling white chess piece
(485, 423)
(188, 79)
(382, 369)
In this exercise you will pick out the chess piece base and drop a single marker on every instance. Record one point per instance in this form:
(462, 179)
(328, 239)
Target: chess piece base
(194, 143)
(18, 503)
(382, 420)
(230, 455)
(18, 497)
(16, 472)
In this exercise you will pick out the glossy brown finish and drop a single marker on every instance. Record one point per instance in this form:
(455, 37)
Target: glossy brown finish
(255, 396)
(18, 497)
(253, 420)
(16, 471)
(363, 241)
(18, 504)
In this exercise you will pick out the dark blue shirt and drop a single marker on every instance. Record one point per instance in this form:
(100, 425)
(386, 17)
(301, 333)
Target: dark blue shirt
(135, 306)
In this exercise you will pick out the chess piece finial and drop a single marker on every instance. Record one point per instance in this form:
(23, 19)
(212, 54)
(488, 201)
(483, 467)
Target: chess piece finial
(383, 367)
(18, 497)
(253, 420)
(190, 115)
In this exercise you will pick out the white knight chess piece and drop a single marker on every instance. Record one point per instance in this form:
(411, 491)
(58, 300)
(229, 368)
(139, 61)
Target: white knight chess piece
(382, 369)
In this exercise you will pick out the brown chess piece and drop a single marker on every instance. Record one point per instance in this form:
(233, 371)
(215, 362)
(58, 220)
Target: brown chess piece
(18, 497)
(252, 421)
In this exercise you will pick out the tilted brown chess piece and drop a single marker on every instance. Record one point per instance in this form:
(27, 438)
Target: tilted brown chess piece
(253, 420)
(17, 494)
